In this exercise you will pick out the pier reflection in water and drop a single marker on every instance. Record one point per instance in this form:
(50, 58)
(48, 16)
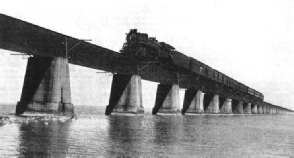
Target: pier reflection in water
(167, 135)
(43, 138)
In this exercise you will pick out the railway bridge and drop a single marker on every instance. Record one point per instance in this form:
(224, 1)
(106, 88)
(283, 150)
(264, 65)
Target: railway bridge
(46, 85)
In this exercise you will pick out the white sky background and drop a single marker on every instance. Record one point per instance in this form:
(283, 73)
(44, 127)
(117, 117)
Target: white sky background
(251, 41)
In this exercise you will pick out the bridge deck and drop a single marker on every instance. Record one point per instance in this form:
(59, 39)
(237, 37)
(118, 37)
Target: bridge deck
(20, 36)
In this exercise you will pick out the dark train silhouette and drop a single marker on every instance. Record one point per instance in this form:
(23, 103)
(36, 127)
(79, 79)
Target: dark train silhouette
(144, 48)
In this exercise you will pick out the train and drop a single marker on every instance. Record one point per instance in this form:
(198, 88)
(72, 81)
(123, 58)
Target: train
(143, 48)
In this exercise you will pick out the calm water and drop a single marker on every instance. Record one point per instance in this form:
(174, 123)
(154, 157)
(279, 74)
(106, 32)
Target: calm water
(94, 134)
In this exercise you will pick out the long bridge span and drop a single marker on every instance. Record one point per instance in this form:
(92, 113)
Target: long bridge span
(47, 87)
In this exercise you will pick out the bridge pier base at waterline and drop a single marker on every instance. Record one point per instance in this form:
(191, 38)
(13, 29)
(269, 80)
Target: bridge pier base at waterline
(226, 106)
(247, 108)
(259, 109)
(211, 103)
(167, 99)
(263, 109)
(193, 102)
(197, 102)
(254, 109)
(125, 95)
(239, 108)
(46, 87)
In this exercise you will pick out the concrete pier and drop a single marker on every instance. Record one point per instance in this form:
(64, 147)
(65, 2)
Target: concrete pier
(247, 109)
(226, 107)
(193, 101)
(239, 108)
(213, 106)
(254, 109)
(263, 109)
(268, 110)
(167, 99)
(259, 109)
(126, 95)
(278, 111)
(46, 87)
(273, 111)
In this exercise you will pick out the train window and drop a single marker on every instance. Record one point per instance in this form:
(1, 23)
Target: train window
(200, 69)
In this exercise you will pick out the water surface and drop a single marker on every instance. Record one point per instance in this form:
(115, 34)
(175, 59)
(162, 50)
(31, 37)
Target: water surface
(94, 134)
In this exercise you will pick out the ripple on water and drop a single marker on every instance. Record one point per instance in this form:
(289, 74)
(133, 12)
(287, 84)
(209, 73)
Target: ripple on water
(94, 135)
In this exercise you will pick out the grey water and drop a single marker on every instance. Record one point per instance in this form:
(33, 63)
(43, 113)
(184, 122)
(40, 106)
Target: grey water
(94, 134)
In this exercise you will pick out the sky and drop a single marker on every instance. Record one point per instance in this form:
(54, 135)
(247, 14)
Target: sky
(251, 41)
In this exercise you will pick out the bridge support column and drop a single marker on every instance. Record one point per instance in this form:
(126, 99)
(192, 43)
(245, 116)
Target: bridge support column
(226, 107)
(278, 111)
(126, 95)
(254, 109)
(259, 109)
(46, 87)
(268, 110)
(193, 101)
(247, 109)
(263, 109)
(167, 99)
(239, 108)
(213, 106)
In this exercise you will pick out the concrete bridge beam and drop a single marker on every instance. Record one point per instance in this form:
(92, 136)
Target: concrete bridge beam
(193, 101)
(126, 95)
(167, 99)
(239, 108)
(213, 106)
(254, 109)
(226, 107)
(247, 109)
(46, 87)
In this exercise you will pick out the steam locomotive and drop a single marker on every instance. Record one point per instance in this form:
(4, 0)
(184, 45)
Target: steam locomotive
(143, 48)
